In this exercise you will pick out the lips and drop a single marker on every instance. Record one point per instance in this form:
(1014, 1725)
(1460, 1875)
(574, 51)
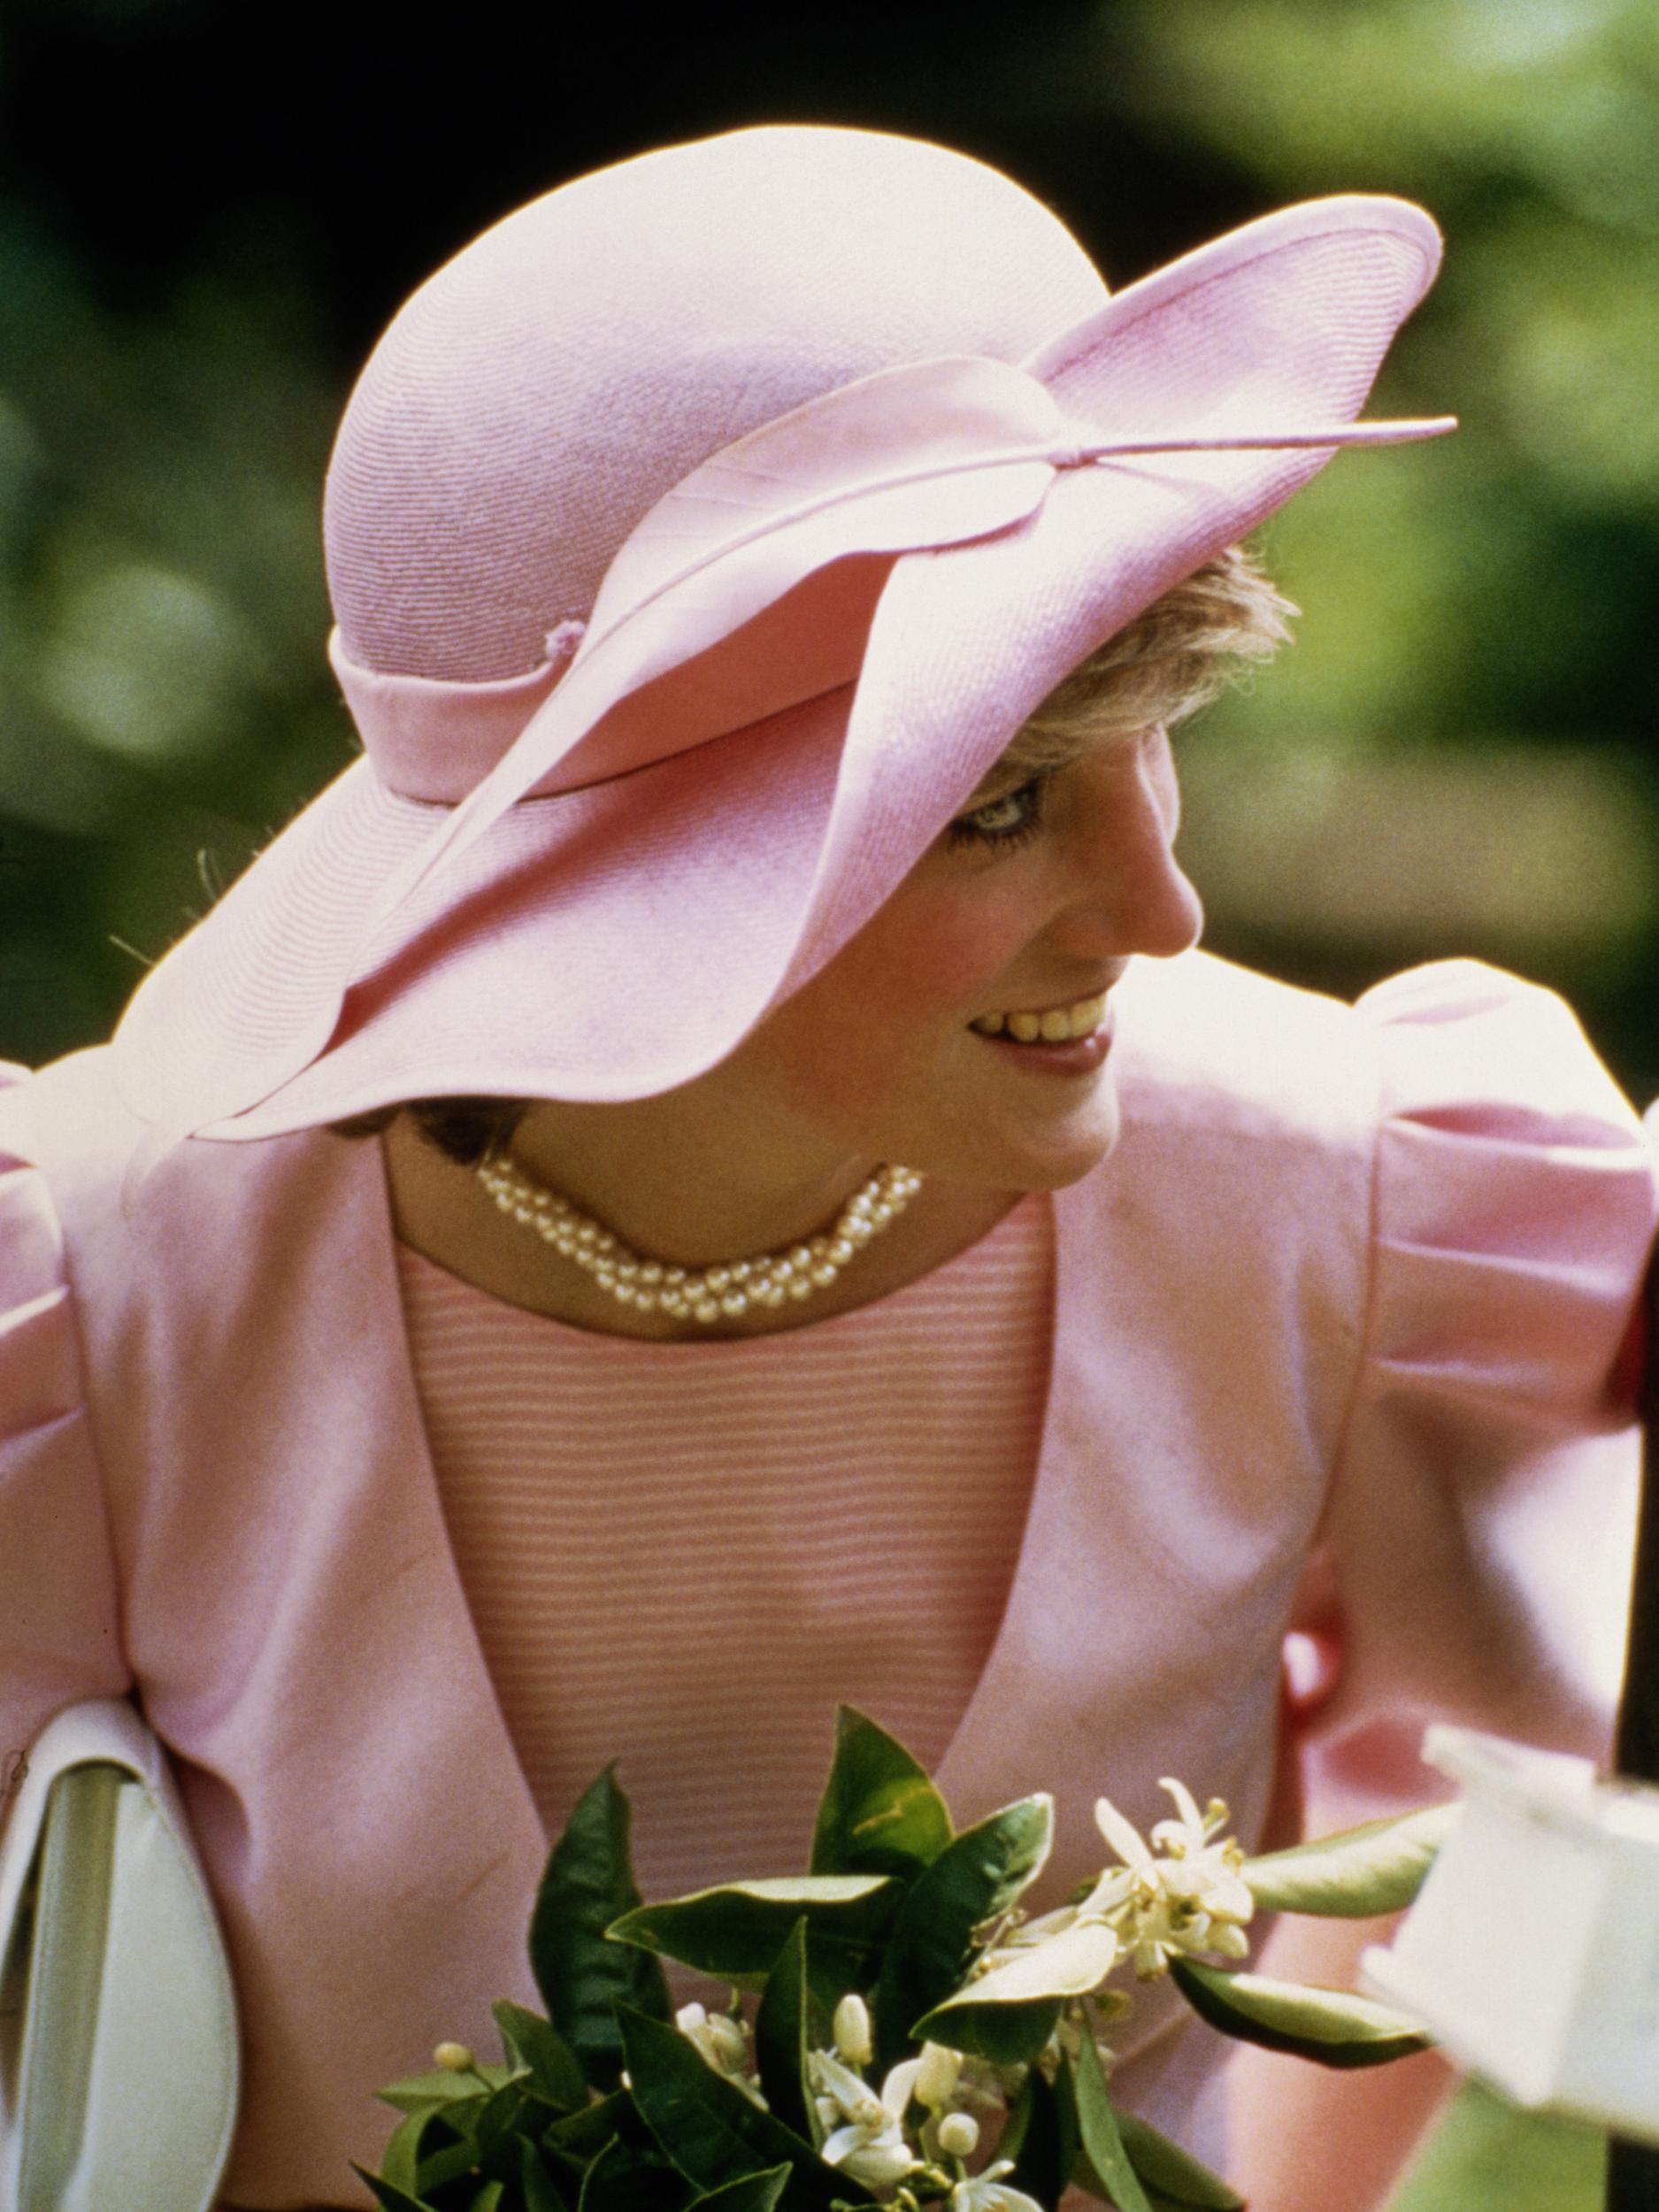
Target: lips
(1050, 1025)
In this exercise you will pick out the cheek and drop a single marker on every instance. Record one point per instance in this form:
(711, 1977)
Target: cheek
(906, 984)
(929, 958)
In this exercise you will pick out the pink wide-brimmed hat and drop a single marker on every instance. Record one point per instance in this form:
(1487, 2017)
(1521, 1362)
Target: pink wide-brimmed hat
(698, 538)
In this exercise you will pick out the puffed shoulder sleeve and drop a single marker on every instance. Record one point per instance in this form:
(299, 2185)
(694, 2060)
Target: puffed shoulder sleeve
(59, 1637)
(1479, 1526)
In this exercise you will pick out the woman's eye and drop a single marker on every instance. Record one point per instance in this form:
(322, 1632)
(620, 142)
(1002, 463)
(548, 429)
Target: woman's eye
(1002, 821)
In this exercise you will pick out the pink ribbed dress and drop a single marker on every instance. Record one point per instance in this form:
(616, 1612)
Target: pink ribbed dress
(681, 1556)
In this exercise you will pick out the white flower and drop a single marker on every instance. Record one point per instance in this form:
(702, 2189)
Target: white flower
(1187, 1895)
(990, 2193)
(871, 2145)
(721, 2045)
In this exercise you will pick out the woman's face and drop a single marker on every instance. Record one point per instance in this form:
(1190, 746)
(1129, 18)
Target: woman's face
(1033, 903)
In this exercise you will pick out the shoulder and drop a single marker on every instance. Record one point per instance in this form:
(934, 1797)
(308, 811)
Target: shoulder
(1207, 1047)
(142, 1219)
(1206, 1043)
(1455, 1108)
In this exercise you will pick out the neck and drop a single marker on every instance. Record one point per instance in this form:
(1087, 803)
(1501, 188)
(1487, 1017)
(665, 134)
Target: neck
(683, 1188)
(444, 1211)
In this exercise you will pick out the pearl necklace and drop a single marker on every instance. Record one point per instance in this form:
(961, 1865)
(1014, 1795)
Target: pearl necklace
(702, 1293)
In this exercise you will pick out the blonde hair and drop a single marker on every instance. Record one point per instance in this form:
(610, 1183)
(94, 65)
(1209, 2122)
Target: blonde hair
(1162, 667)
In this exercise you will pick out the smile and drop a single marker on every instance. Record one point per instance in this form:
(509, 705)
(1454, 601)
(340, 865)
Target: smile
(1054, 1025)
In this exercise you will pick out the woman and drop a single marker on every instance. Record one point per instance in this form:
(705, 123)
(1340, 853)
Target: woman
(764, 574)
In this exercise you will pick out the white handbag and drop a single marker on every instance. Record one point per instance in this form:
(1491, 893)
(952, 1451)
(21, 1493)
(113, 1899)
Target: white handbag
(118, 2026)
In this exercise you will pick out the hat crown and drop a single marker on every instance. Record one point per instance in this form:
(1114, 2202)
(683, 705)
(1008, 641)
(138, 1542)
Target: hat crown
(540, 393)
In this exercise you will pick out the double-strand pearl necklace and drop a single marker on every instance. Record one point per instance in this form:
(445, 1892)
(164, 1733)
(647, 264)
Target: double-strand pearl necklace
(699, 1293)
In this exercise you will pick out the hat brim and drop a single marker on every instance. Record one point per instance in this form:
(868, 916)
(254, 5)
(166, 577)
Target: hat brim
(617, 940)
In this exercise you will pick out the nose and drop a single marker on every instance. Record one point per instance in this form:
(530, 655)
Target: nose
(1129, 894)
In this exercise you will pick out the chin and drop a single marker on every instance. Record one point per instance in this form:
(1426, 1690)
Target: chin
(1052, 1158)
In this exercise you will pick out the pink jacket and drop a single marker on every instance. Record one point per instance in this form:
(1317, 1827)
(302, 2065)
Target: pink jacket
(1352, 1278)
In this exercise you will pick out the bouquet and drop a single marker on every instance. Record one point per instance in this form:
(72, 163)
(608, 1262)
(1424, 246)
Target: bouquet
(899, 2031)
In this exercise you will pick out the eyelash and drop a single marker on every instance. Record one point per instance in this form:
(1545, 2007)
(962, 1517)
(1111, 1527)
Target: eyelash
(967, 829)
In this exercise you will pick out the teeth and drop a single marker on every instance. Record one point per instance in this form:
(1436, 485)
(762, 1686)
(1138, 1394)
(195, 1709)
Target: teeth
(1056, 1026)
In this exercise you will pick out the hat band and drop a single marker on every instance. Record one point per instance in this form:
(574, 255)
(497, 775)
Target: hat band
(434, 739)
(431, 739)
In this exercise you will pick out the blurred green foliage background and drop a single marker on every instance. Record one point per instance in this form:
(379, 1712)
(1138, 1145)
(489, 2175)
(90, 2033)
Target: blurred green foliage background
(207, 213)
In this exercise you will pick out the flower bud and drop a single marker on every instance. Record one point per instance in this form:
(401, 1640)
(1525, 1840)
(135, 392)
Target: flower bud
(937, 2077)
(690, 2016)
(455, 2058)
(851, 2029)
(958, 2135)
(727, 2042)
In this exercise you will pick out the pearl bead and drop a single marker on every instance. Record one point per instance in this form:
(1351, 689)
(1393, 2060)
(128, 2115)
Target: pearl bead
(707, 1295)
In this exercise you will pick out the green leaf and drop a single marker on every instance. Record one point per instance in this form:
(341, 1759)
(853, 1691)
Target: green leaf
(533, 2043)
(781, 2036)
(1175, 2176)
(737, 1931)
(625, 2179)
(879, 1813)
(1006, 2034)
(488, 2198)
(1008, 2014)
(542, 2193)
(1040, 2138)
(593, 2180)
(442, 2087)
(400, 2162)
(1110, 2172)
(393, 2199)
(502, 2114)
(1354, 1875)
(589, 1883)
(976, 1876)
(582, 2136)
(710, 2129)
(754, 2192)
(1329, 2025)
(447, 2164)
